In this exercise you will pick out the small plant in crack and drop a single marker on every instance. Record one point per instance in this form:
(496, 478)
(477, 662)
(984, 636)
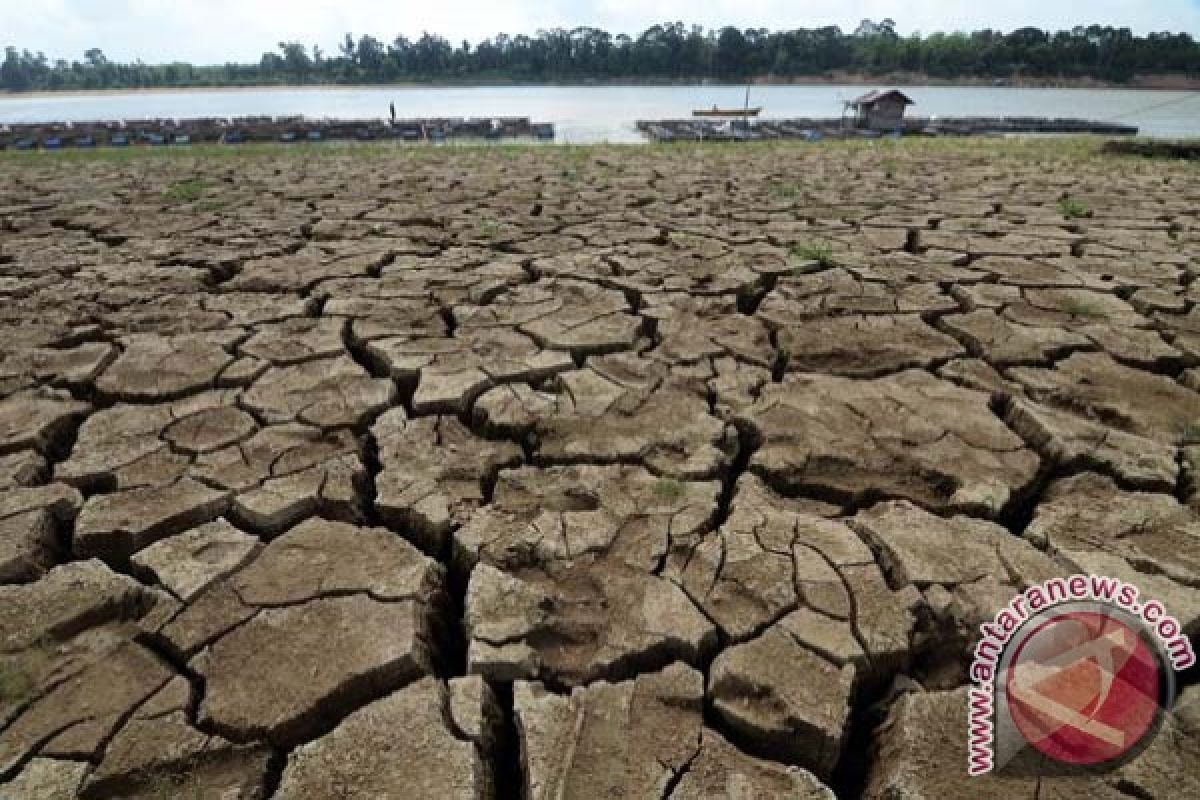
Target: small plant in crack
(689, 239)
(785, 191)
(211, 204)
(177, 786)
(188, 191)
(1189, 431)
(668, 489)
(1071, 208)
(817, 250)
(1082, 308)
(576, 159)
(17, 683)
(489, 228)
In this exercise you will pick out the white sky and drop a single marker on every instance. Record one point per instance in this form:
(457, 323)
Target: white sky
(215, 31)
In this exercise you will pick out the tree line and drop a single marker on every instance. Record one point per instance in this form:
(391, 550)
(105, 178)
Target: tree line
(670, 52)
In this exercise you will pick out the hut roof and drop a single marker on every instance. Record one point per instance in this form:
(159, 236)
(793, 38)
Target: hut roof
(873, 97)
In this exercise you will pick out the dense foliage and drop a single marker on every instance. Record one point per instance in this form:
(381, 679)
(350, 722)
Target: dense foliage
(664, 52)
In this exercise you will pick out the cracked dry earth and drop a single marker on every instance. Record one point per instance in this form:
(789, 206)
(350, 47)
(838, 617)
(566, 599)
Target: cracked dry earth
(563, 474)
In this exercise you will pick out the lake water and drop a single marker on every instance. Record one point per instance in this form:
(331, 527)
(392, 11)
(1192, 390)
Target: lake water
(598, 114)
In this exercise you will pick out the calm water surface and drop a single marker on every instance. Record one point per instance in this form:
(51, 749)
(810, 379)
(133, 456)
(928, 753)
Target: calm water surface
(598, 114)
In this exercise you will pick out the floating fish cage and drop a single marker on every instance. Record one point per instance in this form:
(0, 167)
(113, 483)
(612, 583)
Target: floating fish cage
(736, 130)
(240, 130)
(1189, 151)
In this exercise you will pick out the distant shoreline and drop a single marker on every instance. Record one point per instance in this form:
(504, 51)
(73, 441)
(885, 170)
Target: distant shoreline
(900, 80)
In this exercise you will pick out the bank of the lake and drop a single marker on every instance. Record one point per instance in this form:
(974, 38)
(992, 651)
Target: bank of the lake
(1169, 81)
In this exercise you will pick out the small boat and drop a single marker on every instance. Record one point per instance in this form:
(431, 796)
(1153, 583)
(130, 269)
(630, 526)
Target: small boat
(716, 111)
(727, 112)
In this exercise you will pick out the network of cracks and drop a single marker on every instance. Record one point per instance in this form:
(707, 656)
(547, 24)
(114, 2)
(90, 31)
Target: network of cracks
(637, 473)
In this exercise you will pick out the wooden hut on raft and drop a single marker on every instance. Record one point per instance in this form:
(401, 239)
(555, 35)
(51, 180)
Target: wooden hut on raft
(877, 111)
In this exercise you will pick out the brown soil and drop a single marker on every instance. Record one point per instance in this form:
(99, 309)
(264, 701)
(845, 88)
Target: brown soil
(616, 472)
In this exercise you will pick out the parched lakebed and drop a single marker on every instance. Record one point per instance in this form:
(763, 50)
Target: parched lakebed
(689, 472)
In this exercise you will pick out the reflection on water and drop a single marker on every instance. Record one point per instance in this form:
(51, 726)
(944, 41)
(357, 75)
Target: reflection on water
(595, 114)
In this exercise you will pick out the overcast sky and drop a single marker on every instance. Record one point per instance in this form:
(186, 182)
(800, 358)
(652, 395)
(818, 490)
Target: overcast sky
(215, 31)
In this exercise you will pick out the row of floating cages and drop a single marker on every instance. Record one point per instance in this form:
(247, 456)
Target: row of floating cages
(693, 130)
(738, 130)
(158, 132)
(93, 134)
(89, 141)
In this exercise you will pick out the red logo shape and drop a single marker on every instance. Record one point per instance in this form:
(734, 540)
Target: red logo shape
(1083, 688)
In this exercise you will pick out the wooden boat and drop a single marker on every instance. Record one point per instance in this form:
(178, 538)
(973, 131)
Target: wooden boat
(727, 112)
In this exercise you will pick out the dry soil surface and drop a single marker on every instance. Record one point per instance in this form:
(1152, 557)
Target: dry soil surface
(556, 473)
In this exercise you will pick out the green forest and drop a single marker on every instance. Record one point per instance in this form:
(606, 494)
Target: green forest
(670, 52)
